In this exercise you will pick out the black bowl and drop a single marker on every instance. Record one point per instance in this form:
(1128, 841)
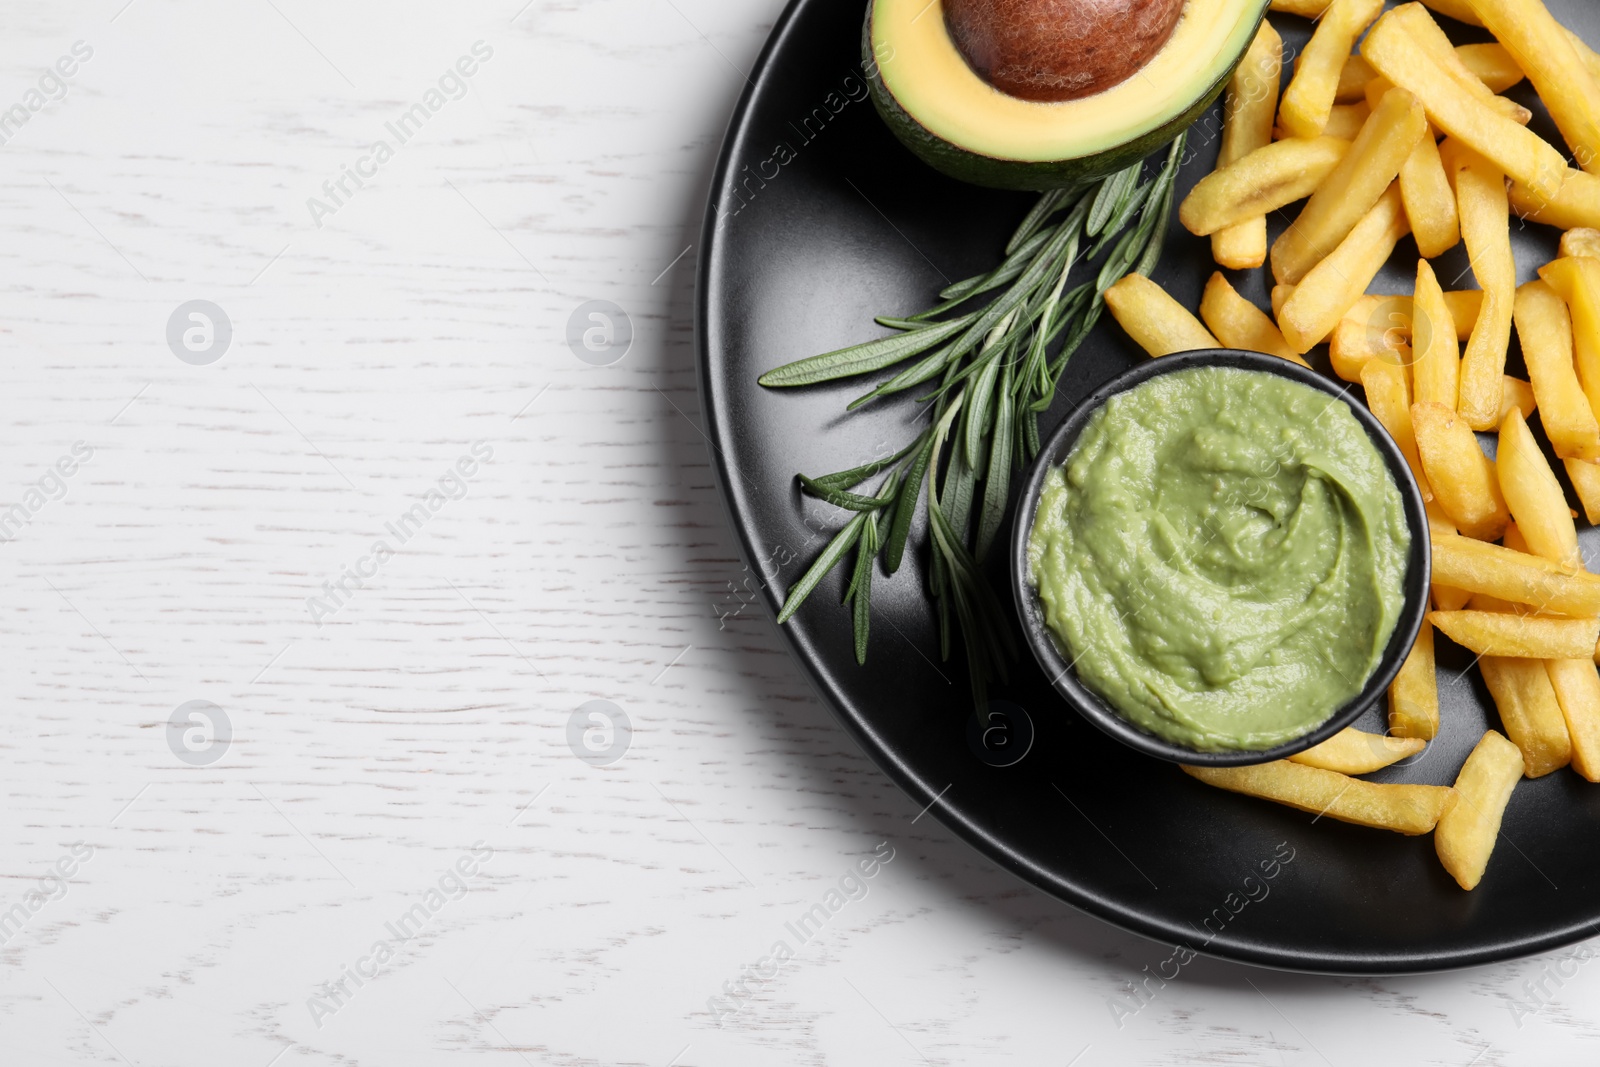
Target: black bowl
(1096, 709)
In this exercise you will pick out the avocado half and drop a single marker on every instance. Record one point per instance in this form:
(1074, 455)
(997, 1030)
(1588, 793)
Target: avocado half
(957, 123)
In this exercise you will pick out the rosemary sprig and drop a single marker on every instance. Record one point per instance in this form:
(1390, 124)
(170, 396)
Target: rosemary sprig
(995, 375)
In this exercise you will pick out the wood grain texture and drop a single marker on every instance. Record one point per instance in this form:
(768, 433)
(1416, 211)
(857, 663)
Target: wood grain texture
(588, 560)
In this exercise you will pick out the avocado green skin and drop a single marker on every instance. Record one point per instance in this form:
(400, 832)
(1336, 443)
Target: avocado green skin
(978, 169)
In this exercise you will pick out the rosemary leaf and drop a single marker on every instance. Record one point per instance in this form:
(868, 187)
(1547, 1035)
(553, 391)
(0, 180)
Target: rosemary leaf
(958, 596)
(997, 481)
(1158, 218)
(1012, 266)
(862, 358)
(996, 634)
(856, 475)
(957, 492)
(905, 507)
(1135, 202)
(866, 551)
(861, 588)
(1120, 259)
(1024, 285)
(1080, 330)
(839, 498)
(1048, 318)
(902, 324)
(997, 348)
(1042, 209)
(1112, 198)
(916, 374)
(939, 587)
(835, 551)
(1013, 335)
(976, 425)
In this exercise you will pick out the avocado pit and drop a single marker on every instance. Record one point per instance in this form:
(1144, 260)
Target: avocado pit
(1053, 50)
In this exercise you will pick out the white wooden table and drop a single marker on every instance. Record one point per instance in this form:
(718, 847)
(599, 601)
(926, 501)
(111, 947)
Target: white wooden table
(379, 788)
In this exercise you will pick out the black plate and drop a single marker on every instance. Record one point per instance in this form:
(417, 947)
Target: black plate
(820, 220)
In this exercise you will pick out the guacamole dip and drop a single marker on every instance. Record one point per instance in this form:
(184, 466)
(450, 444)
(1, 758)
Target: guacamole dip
(1222, 556)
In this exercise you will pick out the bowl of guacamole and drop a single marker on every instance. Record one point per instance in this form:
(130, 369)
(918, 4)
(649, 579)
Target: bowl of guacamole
(1221, 558)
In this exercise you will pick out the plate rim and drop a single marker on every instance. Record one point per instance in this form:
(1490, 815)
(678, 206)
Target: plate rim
(709, 365)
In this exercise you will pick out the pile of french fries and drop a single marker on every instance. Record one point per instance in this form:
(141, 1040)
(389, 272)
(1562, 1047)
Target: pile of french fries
(1390, 131)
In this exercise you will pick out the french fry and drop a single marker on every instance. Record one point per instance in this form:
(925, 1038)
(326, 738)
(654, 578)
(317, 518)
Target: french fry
(1349, 192)
(1590, 57)
(1259, 183)
(1545, 328)
(1156, 322)
(1494, 633)
(1462, 12)
(1459, 10)
(1395, 309)
(1353, 79)
(1237, 323)
(1445, 597)
(1577, 687)
(1419, 25)
(1251, 102)
(1438, 521)
(1485, 227)
(1345, 120)
(1577, 281)
(1517, 396)
(1242, 245)
(1510, 109)
(1379, 324)
(1406, 809)
(1462, 478)
(1583, 241)
(1309, 98)
(1330, 288)
(1382, 311)
(1529, 711)
(1430, 201)
(1374, 90)
(1390, 400)
(1481, 567)
(1485, 602)
(1470, 824)
(1465, 307)
(1311, 9)
(1390, 314)
(1354, 344)
(1573, 204)
(1414, 693)
(1280, 296)
(1492, 64)
(1586, 482)
(1436, 370)
(1547, 57)
(1513, 539)
(1352, 751)
(1517, 151)
(1537, 503)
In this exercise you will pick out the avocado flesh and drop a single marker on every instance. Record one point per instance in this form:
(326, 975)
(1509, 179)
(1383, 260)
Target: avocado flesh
(946, 114)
